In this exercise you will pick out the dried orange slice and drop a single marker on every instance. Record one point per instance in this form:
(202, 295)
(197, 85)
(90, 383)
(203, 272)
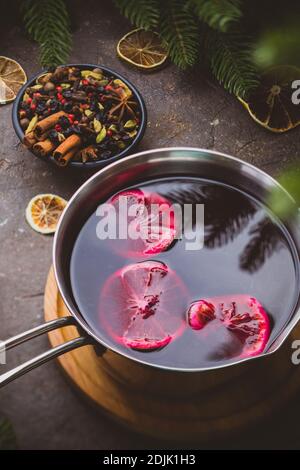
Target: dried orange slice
(271, 104)
(44, 211)
(12, 78)
(143, 49)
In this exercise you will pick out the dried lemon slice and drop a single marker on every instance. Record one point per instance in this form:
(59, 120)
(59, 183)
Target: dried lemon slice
(143, 49)
(271, 104)
(44, 211)
(12, 78)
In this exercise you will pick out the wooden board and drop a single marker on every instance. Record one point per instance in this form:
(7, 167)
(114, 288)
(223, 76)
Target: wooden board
(228, 408)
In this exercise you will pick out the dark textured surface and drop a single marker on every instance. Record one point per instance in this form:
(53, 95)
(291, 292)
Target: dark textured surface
(184, 109)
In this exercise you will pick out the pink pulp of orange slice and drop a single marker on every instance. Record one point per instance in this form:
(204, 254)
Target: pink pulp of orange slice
(142, 306)
(242, 315)
(150, 215)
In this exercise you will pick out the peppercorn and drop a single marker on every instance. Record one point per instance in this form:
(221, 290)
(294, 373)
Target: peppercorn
(68, 107)
(53, 136)
(68, 132)
(49, 86)
(41, 107)
(24, 123)
(63, 122)
(84, 120)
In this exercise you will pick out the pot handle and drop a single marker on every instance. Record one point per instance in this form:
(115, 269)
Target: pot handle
(10, 343)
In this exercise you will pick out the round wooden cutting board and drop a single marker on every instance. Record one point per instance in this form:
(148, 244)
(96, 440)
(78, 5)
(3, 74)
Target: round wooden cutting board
(225, 409)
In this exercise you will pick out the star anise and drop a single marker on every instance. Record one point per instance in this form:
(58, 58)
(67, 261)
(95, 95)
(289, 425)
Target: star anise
(123, 103)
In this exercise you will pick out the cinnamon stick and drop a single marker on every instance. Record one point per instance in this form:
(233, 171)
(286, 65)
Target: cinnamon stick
(43, 148)
(48, 122)
(64, 160)
(29, 139)
(72, 142)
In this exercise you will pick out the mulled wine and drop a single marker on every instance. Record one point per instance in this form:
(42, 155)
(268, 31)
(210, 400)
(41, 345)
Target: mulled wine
(174, 306)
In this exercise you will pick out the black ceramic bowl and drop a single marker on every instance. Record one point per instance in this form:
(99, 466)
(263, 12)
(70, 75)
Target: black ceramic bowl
(99, 163)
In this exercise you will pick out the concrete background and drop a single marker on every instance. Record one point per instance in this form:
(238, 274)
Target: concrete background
(185, 109)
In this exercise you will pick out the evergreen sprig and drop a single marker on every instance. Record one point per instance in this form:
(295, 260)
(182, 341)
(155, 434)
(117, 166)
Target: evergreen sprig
(178, 22)
(179, 30)
(141, 13)
(47, 22)
(230, 59)
(218, 14)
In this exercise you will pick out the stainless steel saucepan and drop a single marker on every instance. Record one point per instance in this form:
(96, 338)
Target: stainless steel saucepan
(115, 177)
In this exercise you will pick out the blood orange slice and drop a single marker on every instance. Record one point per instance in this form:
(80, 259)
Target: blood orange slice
(145, 223)
(142, 306)
(242, 315)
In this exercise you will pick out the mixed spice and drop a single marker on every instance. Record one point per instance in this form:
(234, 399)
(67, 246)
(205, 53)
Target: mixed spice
(78, 115)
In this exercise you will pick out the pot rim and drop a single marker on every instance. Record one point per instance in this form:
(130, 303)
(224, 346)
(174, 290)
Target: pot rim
(99, 163)
(278, 341)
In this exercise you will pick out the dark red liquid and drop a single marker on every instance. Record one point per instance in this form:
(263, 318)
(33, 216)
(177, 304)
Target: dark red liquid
(246, 251)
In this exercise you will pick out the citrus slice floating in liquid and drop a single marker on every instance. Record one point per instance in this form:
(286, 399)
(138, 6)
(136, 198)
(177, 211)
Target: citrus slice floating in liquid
(142, 306)
(149, 220)
(241, 315)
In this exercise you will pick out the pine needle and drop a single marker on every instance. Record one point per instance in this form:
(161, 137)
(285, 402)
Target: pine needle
(47, 22)
(141, 13)
(179, 30)
(230, 58)
(218, 14)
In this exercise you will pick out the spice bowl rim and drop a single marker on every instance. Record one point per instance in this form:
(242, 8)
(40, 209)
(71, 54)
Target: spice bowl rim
(98, 164)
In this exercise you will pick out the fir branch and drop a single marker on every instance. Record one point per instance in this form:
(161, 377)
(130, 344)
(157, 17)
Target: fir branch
(230, 58)
(218, 14)
(179, 30)
(142, 13)
(47, 22)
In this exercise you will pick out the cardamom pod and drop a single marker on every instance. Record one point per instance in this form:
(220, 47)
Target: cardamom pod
(97, 125)
(131, 124)
(101, 136)
(32, 124)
